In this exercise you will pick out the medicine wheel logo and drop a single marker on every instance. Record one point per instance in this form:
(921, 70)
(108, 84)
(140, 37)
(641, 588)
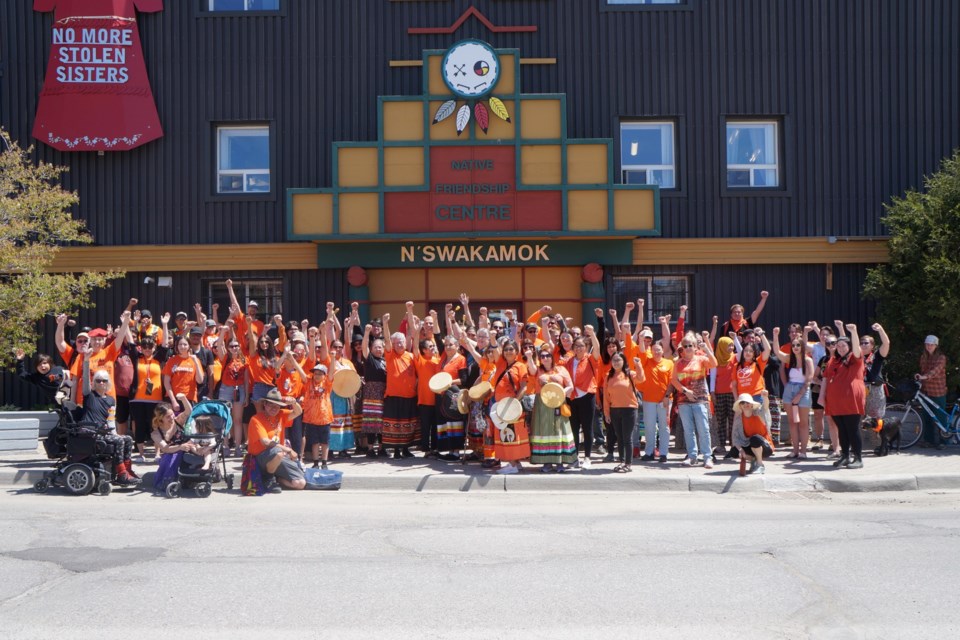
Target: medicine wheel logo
(471, 69)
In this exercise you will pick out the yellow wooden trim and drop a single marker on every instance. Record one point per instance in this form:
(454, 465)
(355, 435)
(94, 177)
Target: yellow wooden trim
(188, 257)
(812, 250)
(538, 61)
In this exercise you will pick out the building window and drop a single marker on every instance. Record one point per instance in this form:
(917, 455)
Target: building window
(752, 154)
(217, 6)
(268, 294)
(662, 295)
(243, 159)
(646, 153)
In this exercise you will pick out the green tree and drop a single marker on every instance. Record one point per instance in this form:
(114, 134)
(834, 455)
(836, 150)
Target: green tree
(35, 221)
(918, 291)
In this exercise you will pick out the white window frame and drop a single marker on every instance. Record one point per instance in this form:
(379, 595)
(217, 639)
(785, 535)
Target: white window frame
(752, 168)
(625, 169)
(212, 7)
(650, 314)
(245, 173)
(267, 292)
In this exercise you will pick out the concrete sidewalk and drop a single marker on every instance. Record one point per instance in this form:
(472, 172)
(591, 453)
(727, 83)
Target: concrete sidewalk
(913, 470)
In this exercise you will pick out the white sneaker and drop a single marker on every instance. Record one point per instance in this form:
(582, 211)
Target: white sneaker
(586, 463)
(508, 469)
(687, 462)
(708, 463)
(140, 460)
(576, 464)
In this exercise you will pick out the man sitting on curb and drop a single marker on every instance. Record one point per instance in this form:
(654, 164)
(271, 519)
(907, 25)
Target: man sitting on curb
(265, 441)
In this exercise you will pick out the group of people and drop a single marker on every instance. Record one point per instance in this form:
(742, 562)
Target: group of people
(502, 390)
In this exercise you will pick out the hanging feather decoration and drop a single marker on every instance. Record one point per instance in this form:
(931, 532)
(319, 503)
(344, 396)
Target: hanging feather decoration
(483, 118)
(499, 109)
(463, 117)
(445, 111)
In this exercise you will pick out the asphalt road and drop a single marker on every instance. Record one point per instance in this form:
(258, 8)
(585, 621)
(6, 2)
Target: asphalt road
(485, 565)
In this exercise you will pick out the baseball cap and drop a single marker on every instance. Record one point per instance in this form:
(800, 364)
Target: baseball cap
(646, 333)
(196, 331)
(211, 323)
(931, 339)
(146, 314)
(181, 314)
(253, 303)
(320, 367)
(102, 333)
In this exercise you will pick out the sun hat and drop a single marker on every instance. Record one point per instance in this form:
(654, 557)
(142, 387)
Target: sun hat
(746, 397)
(273, 396)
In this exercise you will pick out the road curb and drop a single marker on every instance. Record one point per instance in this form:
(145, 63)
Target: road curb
(602, 482)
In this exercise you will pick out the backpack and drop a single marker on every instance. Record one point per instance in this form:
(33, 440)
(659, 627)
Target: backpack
(251, 481)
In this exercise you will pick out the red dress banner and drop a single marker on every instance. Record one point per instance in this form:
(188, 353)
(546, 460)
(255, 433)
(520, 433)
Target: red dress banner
(96, 95)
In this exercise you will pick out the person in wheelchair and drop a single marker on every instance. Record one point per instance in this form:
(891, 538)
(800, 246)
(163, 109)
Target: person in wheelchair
(99, 410)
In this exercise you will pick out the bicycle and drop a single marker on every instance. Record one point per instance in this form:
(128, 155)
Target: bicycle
(911, 422)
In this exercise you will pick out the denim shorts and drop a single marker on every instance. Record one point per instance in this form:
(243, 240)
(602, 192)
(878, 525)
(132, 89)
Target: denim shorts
(791, 390)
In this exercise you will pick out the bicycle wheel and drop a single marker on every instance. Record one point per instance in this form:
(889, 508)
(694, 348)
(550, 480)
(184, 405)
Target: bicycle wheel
(911, 426)
(952, 436)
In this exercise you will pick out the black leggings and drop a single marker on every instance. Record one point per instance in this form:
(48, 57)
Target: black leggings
(428, 427)
(582, 415)
(848, 428)
(623, 422)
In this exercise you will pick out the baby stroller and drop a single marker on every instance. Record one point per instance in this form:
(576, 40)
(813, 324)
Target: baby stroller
(84, 458)
(191, 474)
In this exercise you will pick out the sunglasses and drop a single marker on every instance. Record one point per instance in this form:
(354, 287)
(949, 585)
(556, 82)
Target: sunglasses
(233, 346)
(546, 355)
(531, 328)
(831, 344)
(865, 342)
(81, 340)
(509, 350)
(688, 346)
(101, 381)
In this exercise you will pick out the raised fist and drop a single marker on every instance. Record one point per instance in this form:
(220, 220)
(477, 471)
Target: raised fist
(599, 312)
(629, 306)
(764, 294)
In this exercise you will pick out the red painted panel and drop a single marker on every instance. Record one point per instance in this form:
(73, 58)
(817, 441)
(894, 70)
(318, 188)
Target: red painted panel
(472, 189)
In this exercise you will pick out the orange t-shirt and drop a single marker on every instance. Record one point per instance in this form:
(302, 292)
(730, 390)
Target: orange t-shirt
(619, 392)
(656, 378)
(401, 375)
(103, 361)
(585, 375)
(263, 426)
(232, 374)
(754, 426)
(426, 368)
(317, 408)
(290, 383)
(514, 379)
(183, 376)
(149, 380)
(749, 379)
(259, 373)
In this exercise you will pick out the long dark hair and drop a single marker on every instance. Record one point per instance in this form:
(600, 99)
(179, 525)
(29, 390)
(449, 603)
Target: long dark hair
(752, 348)
(626, 366)
(793, 358)
(270, 353)
(604, 356)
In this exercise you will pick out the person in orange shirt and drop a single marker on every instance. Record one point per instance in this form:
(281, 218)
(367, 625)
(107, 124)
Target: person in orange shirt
(400, 420)
(583, 368)
(317, 413)
(620, 406)
(427, 363)
(266, 442)
(234, 382)
(182, 373)
(551, 438)
(290, 383)
(147, 391)
(451, 434)
(657, 372)
(751, 430)
(690, 379)
(609, 348)
(723, 396)
(511, 444)
(747, 372)
(738, 321)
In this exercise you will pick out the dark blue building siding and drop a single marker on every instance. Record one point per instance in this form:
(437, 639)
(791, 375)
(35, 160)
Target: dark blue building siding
(867, 91)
